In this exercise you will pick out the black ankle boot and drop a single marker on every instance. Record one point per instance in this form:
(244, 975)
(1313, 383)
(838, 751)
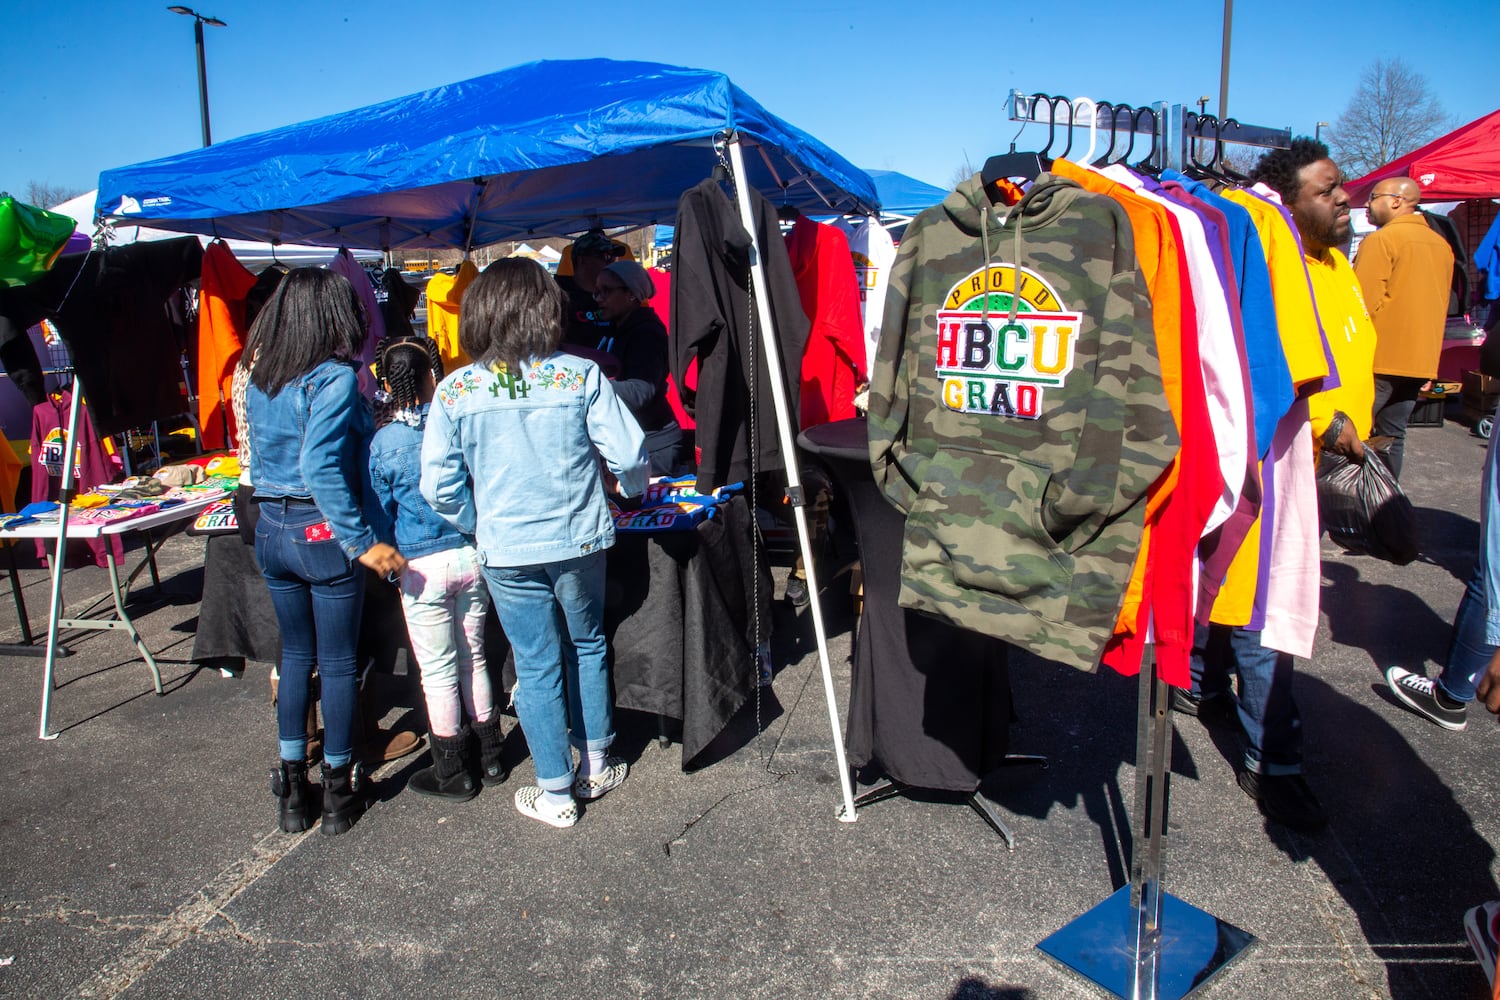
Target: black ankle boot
(492, 769)
(290, 786)
(448, 777)
(343, 797)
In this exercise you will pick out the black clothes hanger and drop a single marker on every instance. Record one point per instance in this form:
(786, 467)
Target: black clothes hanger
(1220, 160)
(1026, 165)
(1195, 167)
(1148, 165)
(1113, 131)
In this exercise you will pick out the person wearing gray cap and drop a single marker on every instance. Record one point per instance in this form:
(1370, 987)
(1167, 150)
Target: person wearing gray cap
(585, 328)
(638, 338)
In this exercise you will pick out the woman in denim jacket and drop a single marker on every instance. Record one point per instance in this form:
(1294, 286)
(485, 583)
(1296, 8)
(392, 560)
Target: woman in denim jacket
(442, 591)
(511, 457)
(310, 435)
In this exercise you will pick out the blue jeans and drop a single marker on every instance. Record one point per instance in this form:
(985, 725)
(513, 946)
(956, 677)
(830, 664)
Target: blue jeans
(553, 615)
(1470, 648)
(1268, 712)
(318, 595)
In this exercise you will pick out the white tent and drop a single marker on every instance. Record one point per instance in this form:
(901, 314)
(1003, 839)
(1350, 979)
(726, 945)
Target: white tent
(253, 255)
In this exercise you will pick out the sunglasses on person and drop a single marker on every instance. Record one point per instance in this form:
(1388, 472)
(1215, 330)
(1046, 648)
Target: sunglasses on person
(606, 288)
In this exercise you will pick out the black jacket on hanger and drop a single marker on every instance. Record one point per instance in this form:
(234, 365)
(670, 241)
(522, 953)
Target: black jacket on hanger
(712, 322)
(114, 310)
(1458, 299)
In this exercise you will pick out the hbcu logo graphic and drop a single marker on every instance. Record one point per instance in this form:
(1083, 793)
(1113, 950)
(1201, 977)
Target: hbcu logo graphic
(997, 365)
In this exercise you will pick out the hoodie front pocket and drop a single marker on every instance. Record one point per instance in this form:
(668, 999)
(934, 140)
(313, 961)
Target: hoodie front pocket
(977, 521)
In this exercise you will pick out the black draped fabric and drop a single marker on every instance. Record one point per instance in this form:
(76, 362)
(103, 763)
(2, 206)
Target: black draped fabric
(235, 618)
(680, 618)
(18, 358)
(400, 303)
(929, 703)
(712, 322)
(114, 309)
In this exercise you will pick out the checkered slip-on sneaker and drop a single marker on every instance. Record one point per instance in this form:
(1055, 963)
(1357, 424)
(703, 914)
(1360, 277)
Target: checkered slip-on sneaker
(530, 802)
(595, 785)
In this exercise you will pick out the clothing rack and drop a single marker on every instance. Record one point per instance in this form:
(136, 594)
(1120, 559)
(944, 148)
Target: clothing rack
(1142, 943)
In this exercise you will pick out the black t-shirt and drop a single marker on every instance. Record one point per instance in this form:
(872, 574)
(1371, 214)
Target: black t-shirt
(585, 327)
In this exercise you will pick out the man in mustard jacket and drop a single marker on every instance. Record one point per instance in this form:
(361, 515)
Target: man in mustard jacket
(1405, 271)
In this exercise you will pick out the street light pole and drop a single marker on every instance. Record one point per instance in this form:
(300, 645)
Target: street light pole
(199, 20)
(1318, 130)
(1224, 61)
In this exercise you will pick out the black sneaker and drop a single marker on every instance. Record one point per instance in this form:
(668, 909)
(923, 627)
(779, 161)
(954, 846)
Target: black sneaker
(796, 591)
(1213, 710)
(1286, 799)
(1421, 695)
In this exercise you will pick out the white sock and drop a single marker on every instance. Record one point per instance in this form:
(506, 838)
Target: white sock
(557, 800)
(593, 763)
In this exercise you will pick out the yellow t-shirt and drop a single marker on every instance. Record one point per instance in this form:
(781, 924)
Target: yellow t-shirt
(444, 293)
(1351, 337)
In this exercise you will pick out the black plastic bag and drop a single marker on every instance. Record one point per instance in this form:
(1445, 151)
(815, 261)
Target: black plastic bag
(1363, 508)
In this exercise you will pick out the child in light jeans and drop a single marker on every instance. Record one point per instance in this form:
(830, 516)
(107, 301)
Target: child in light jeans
(443, 592)
(512, 454)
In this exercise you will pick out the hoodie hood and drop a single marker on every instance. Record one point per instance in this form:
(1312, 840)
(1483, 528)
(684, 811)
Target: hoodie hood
(970, 209)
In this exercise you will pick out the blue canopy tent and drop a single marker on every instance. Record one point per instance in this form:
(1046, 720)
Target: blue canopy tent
(904, 196)
(546, 148)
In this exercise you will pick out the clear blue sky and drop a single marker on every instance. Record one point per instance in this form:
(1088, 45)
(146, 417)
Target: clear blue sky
(914, 86)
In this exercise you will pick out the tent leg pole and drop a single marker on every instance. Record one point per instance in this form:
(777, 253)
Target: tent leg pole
(784, 432)
(59, 557)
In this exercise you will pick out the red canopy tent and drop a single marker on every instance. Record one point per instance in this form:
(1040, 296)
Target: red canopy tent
(1463, 164)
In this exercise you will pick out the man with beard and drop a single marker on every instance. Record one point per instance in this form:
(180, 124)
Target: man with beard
(1309, 186)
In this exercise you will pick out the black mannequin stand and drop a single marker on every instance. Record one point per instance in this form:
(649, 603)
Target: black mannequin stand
(930, 703)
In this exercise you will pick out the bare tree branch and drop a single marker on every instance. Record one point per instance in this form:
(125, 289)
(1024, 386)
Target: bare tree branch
(44, 195)
(1391, 113)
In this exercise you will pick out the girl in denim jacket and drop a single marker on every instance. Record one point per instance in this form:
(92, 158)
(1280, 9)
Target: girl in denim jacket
(511, 457)
(442, 591)
(310, 432)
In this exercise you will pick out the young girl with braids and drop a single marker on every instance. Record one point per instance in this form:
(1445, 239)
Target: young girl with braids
(443, 591)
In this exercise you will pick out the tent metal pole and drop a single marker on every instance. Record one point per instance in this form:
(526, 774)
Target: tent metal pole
(54, 607)
(846, 814)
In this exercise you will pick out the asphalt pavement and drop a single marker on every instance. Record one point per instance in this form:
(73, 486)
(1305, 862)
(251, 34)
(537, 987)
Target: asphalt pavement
(140, 857)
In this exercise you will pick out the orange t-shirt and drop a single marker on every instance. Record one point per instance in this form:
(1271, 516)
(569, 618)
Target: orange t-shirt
(221, 332)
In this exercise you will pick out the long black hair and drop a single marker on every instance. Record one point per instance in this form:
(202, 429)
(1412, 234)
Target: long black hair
(313, 315)
(399, 364)
(513, 313)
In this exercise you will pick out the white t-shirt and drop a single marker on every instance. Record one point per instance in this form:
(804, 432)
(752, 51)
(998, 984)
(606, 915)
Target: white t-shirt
(874, 253)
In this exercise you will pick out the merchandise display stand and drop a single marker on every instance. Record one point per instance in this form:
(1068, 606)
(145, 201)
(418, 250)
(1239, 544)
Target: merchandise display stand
(1142, 943)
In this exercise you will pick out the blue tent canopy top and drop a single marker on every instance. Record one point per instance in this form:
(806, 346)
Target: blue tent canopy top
(904, 195)
(546, 148)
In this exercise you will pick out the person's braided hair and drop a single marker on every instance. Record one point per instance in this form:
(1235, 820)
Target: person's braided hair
(399, 364)
(1280, 169)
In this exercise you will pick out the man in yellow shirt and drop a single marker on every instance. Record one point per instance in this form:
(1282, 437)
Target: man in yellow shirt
(1406, 271)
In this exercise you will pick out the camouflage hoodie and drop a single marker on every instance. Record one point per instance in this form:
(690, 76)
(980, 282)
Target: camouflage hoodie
(1018, 424)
